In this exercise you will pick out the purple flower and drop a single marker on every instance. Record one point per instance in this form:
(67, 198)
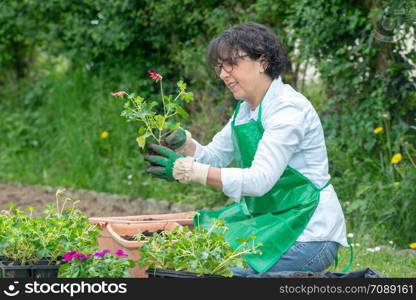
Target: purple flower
(102, 253)
(98, 254)
(120, 253)
(80, 256)
(70, 253)
(68, 256)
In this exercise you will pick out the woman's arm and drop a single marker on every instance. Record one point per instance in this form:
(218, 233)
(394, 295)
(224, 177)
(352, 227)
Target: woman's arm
(214, 177)
(282, 135)
(219, 152)
(284, 130)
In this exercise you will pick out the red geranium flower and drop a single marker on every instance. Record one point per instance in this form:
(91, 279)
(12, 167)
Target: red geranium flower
(102, 225)
(155, 75)
(118, 94)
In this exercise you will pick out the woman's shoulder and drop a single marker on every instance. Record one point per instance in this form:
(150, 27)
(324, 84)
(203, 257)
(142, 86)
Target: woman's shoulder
(285, 93)
(286, 100)
(288, 95)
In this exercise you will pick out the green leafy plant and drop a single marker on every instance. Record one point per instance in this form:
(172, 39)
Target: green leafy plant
(153, 123)
(26, 239)
(104, 264)
(201, 251)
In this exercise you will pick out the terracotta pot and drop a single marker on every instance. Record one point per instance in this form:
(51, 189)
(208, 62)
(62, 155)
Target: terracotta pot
(132, 248)
(106, 242)
(183, 218)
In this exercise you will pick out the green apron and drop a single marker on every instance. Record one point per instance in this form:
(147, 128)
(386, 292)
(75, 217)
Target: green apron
(277, 218)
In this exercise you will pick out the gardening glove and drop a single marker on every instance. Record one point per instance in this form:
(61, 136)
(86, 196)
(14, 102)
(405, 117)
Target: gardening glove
(172, 166)
(179, 139)
(186, 169)
(161, 165)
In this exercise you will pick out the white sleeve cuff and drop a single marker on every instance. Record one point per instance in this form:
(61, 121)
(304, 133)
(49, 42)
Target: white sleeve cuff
(198, 150)
(232, 179)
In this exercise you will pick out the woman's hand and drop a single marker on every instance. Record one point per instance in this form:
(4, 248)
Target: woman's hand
(161, 165)
(175, 138)
(169, 165)
(180, 140)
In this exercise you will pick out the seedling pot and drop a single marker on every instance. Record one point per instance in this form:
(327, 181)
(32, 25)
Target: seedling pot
(9, 269)
(14, 269)
(45, 270)
(132, 248)
(163, 273)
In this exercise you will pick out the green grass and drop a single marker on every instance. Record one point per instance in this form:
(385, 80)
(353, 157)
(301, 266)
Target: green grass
(388, 261)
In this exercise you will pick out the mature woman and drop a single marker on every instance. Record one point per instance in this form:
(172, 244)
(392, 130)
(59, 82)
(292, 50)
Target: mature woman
(281, 186)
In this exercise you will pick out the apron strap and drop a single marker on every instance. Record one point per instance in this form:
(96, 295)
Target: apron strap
(351, 248)
(238, 108)
(328, 183)
(236, 111)
(350, 260)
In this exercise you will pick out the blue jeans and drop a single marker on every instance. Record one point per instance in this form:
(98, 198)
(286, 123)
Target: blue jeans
(302, 256)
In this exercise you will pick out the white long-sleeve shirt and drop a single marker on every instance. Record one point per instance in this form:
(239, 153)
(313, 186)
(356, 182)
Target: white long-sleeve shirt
(293, 136)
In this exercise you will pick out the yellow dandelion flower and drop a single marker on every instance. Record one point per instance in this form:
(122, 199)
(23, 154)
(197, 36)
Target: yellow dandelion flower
(378, 130)
(104, 134)
(412, 245)
(396, 183)
(396, 158)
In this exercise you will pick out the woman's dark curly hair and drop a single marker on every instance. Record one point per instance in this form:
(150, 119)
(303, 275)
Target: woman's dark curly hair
(254, 39)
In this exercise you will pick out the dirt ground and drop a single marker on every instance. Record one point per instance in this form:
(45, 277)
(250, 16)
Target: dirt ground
(92, 203)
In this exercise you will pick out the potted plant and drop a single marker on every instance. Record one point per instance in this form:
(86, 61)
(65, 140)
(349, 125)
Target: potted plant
(131, 237)
(35, 244)
(10, 224)
(198, 253)
(153, 121)
(155, 118)
(103, 264)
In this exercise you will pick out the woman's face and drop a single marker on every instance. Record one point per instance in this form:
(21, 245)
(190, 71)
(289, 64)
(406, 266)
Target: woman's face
(243, 78)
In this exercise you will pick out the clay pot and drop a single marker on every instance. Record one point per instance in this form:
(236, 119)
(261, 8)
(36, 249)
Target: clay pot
(183, 218)
(132, 248)
(106, 242)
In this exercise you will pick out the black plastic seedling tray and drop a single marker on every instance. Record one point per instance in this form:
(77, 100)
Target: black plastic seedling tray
(44, 270)
(9, 270)
(13, 269)
(163, 273)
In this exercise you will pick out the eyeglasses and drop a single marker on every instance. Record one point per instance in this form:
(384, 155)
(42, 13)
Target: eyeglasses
(227, 64)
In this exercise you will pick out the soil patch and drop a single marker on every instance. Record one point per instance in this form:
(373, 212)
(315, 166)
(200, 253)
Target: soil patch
(146, 233)
(92, 203)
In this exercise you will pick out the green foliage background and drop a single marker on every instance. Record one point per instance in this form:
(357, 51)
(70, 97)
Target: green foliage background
(60, 59)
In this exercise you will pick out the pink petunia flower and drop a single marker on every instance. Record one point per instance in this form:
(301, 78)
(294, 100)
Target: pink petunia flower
(68, 256)
(120, 253)
(80, 256)
(101, 253)
(98, 254)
